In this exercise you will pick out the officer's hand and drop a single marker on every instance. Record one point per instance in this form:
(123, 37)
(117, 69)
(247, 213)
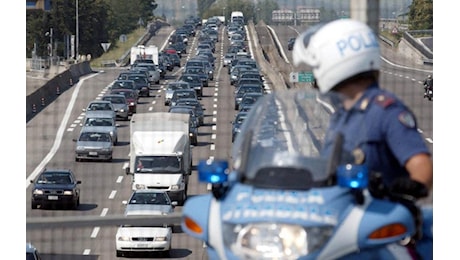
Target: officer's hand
(407, 186)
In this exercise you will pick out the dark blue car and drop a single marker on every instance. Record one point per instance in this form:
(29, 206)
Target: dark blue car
(56, 188)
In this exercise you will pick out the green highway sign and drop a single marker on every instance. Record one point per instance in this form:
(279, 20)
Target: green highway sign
(301, 77)
(305, 77)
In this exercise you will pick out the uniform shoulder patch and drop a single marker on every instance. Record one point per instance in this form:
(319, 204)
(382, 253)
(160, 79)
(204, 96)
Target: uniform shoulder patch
(384, 100)
(407, 119)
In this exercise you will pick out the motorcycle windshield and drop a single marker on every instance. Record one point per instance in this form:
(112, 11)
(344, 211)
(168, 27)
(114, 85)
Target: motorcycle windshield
(280, 141)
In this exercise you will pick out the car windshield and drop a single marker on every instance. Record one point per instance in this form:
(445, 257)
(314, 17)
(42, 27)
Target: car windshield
(99, 106)
(54, 178)
(194, 70)
(99, 122)
(123, 84)
(94, 137)
(159, 164)
(115, 100)
(127, 94)
(152, 198)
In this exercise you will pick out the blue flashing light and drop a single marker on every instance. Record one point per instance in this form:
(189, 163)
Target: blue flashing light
(213, 171)
(352, 176)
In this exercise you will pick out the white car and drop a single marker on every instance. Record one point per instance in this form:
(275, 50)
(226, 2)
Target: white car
(145, 239)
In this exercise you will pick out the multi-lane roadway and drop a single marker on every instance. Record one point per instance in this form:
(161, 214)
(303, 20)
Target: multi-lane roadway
(105, 185)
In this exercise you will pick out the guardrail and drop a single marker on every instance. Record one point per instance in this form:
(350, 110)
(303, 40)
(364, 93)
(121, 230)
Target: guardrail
(45, 95)
(409, 37)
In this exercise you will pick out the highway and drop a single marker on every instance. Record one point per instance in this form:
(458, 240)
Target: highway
(105, 185)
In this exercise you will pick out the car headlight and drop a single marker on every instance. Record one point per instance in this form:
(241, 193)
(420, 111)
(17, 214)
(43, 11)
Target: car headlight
(80, 148)
(174, 187)
(68, 192)
(131, 103)
(106, 149)
(123, 238)
(274, 240)
(37, 192)
(161, 239)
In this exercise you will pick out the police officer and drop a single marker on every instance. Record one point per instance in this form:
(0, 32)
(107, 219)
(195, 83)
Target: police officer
(377, 127)
(428, 85)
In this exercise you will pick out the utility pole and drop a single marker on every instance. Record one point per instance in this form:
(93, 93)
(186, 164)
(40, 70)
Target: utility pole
(76, 30)
(366, 11)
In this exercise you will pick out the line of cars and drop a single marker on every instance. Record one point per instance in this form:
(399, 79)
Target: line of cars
(99, 135)
(244, 73)
(141, 239)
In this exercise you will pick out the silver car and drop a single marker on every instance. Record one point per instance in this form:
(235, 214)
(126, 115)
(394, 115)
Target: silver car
(119, 104)
(93, 144)
(154, 72)
(96, 106)
(171, 87)
(104, 121)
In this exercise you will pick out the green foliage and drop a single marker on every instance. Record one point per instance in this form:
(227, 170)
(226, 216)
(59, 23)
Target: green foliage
(98, 21)
(421, 15)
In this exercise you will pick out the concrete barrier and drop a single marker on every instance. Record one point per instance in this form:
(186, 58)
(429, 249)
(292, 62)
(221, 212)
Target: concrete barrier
(42, 97)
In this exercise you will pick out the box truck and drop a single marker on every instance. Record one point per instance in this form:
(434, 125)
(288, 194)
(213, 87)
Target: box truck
(160, 153)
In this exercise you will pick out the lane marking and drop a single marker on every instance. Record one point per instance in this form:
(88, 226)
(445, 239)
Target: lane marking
(60, 132)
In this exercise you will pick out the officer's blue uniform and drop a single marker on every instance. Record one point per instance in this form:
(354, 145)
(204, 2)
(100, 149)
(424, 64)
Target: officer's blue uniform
(380, 131)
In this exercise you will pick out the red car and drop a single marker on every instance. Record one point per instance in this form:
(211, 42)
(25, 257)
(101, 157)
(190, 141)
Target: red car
(131, 98)
(170, 50)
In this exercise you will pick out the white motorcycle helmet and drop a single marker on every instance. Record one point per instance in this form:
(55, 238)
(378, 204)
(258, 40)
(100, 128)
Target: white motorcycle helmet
(337, 51)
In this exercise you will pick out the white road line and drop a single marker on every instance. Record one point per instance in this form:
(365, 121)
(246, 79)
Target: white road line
(125, 165)
(104, 212)
(60, 132)
(95, 232)
(119, 179)
(112, 194)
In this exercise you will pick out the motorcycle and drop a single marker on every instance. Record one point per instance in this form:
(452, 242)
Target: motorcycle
(428, 92)
(279, 199)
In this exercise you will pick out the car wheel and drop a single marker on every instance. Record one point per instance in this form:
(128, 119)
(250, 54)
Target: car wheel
(166, 253)
(76, 204)
(183, 198)
(34, 205)
(119, 253)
